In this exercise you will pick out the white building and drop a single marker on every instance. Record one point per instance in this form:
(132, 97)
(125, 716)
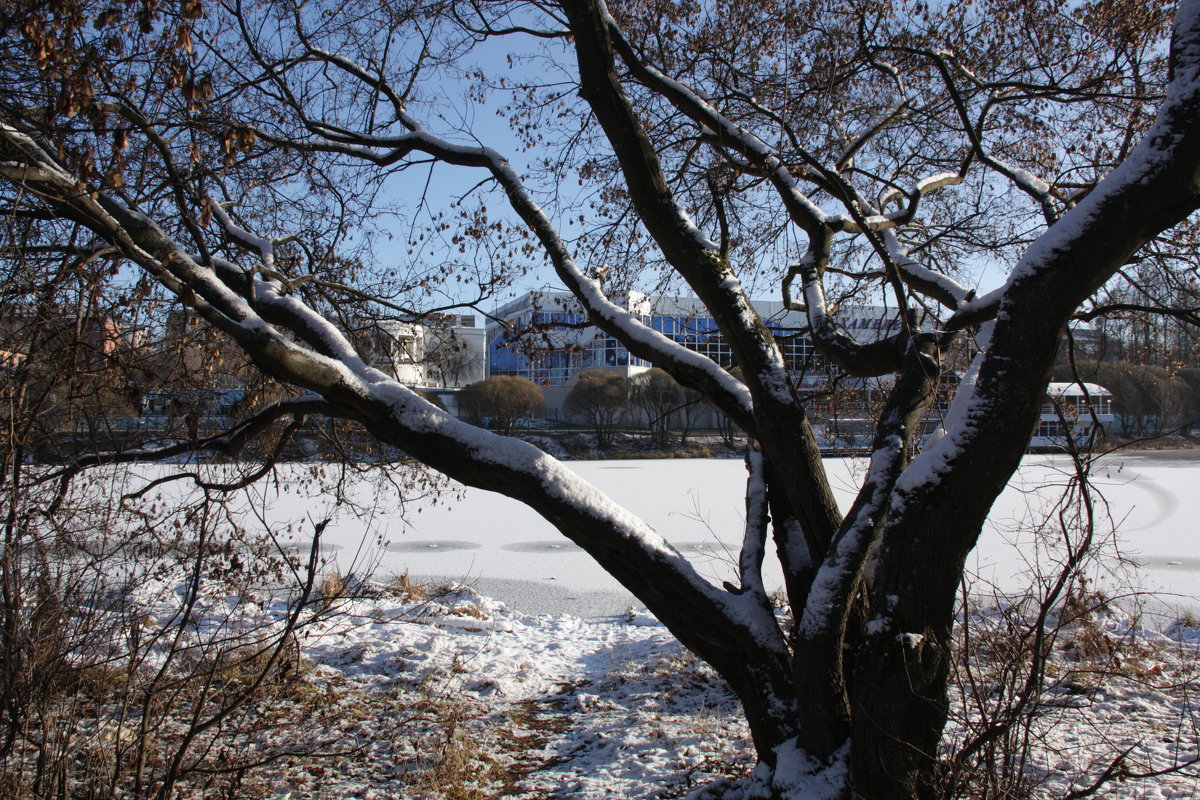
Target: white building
(1077, 412)
(545, 336)
(447, 352)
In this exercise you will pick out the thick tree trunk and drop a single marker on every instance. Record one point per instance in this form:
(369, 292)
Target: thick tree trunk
(899, 712)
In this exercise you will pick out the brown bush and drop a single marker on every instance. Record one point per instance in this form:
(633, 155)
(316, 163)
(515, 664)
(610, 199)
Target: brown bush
(498, 402)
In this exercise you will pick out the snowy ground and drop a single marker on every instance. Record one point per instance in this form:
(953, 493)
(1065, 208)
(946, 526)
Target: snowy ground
(455, 696)
(561, 691)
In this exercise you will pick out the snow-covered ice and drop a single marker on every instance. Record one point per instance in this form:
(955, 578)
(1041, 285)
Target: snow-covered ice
(508, 551)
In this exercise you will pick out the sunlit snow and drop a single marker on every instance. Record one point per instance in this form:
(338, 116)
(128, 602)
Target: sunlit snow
(508, 551)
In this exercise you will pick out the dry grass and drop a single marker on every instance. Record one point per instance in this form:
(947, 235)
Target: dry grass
(406, 590)
(333, 587)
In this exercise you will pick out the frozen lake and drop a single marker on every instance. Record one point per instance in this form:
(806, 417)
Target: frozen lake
(508, 552)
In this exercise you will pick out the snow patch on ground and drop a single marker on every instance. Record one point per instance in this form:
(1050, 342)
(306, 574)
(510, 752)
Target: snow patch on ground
(542, 705)
(435, 686)
(416, 690)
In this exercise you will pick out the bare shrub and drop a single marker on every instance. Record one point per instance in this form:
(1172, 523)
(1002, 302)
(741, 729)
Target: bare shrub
(500, 401)
(1028, 666)
(600, 398)
(145, 654)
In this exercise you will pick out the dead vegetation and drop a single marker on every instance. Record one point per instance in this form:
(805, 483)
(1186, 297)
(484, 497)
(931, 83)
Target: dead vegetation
(1034, 675)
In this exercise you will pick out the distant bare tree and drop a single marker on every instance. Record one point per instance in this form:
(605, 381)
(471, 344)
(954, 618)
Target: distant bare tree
(600, 398)
(1191, 376)
(660, 398)
(501, 400)
(450, 359)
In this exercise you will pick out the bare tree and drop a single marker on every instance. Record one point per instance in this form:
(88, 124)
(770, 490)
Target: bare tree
(661, 399)
(832, 149)
(501, 400)
(451, 359)
(97, 664)
(666, 404)
(1191, 376)
(601, 399)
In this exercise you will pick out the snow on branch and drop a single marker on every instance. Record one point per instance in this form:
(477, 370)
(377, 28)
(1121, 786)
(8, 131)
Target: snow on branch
(372, 79)
(801, 209)
(804, 212)
(27, 163)
(1032, 185)
(750, 560)
(132, 232)
(860, 360)
(943, 288)
(1159, 181)
(1156, 187)
(875, 223)
(397, 415)
(838, 575)
(26, 173)
(263, 247)
(894, 114)
(1027, 182)
(946, 441)
(922, 188)
(819, 320)
(269, 292)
